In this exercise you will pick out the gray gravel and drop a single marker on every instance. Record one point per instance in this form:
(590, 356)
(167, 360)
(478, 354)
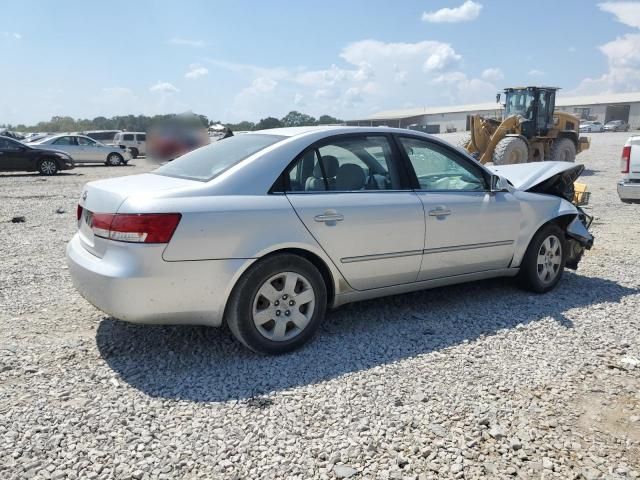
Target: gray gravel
(472, 381)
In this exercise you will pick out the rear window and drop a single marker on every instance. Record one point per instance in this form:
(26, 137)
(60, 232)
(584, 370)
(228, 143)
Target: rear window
(208, 162)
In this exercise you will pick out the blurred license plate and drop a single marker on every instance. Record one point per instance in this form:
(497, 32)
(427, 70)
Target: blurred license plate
(85, 225)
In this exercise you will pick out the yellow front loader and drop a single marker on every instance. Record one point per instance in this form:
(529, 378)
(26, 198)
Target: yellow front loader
(530, 130)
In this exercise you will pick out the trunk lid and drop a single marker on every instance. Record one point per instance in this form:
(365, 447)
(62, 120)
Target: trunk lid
(553, 178)
(106, 196)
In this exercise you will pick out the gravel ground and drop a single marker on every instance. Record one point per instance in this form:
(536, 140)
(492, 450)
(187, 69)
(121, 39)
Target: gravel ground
(473, 381)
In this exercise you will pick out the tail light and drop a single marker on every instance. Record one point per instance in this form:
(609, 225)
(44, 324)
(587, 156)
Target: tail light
(135, 228)
(625, 160)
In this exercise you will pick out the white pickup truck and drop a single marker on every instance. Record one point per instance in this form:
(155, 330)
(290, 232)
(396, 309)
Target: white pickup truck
(629, 186)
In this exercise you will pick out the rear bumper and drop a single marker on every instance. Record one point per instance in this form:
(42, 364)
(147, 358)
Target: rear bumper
(133, 283)
(628, 190)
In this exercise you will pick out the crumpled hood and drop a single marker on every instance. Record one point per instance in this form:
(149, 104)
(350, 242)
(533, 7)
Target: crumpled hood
(526, 176)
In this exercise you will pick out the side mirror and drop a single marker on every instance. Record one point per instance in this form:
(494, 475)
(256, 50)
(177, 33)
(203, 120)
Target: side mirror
(498, 184)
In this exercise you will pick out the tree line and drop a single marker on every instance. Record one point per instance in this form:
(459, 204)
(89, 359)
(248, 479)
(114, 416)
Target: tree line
(142, 123)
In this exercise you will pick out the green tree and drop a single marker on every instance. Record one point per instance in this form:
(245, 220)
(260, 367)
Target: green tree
(297, 119)
(269, 122)
(242, 126)
(328, 120)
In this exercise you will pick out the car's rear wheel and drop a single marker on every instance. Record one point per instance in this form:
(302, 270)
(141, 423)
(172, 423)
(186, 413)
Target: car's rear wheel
(114, 159)
(48, 166)
(277, 305)
(134, 153)
(543, 263)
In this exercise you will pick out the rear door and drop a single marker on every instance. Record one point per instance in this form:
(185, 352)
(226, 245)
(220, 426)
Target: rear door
(141, 142)
(349, 192)
(468, 228)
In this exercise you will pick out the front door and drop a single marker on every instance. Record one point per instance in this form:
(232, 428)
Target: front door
(89, 149)
(468, 228)
(347, 191)
(12, 156)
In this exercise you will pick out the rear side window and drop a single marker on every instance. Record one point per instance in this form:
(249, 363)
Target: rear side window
(210, 161)
(141, 137)
(354, 163)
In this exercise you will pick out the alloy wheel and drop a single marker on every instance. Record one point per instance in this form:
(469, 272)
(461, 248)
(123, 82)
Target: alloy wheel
(48, 167)
(283, 306)
(549, 259)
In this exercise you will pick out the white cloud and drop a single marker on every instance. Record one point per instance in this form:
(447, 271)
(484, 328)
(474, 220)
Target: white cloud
(196, 71)
(466, 12)
(13, 35)
(623, 55)
(375, 75)
(165, 88)
(625, 12)
(187, 42)
(536, 73)
(492, 75)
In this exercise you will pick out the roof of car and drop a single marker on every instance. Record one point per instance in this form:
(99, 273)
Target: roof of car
(296, 131)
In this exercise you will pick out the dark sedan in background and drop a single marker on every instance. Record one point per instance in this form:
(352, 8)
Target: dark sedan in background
(16, 156)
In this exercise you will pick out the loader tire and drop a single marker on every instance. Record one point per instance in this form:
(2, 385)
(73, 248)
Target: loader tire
(563, 150)
(511, 150)
(463, 141)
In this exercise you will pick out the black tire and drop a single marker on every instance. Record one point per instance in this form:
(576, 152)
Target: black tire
(530, 275)
(114, 159)
(563, 150)
(134, 152)
(245, 297)
(464, 140)
(510, 151)
(48, 167)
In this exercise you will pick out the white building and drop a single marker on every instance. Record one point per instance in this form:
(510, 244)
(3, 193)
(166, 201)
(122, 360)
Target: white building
(604, 108)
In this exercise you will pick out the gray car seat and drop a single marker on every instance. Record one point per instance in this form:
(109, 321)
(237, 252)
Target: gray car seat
(350, 177)
(315, 182)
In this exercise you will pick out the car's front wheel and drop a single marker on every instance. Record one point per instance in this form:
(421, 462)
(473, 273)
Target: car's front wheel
(277, 305)
(48, 166)
(543, 263)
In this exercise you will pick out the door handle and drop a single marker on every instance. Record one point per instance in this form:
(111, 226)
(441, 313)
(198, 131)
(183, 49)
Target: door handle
(329, 216)
(439, 212)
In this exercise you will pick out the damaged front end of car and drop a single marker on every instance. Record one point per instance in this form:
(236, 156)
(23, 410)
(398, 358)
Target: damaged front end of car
(558, 179)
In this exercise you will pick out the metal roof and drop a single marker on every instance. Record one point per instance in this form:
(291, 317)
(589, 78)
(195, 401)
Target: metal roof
(484, 107)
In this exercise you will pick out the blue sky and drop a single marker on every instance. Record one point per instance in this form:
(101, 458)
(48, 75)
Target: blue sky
(238, 60)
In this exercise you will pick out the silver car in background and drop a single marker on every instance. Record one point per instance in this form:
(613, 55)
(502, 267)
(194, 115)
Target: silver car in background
(266, 230)
(84, 149)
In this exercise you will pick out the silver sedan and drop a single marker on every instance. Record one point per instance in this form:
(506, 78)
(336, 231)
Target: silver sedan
(265, 231)
(84, 149)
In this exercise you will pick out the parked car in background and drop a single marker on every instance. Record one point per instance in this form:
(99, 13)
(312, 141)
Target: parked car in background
(85, 150)
(103, 136)
(136, 142)
(266, 230)
(629, 186)
(16, 156)
(616, 126)
(167, 142)
(591, 127)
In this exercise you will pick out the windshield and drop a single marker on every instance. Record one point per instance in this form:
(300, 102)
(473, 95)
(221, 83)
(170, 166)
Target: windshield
(210, 161)
(519, 103)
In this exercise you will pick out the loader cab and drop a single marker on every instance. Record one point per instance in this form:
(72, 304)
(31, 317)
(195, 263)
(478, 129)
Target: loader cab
(535, 105)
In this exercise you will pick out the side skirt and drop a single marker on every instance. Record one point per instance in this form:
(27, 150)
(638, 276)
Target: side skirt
(356, 296)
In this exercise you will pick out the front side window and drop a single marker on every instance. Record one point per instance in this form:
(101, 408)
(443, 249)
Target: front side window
(438, 169)
(345, 164)
(207, 162)
(85, 141)
(64, 141)
(127, 137)
(142, 137)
